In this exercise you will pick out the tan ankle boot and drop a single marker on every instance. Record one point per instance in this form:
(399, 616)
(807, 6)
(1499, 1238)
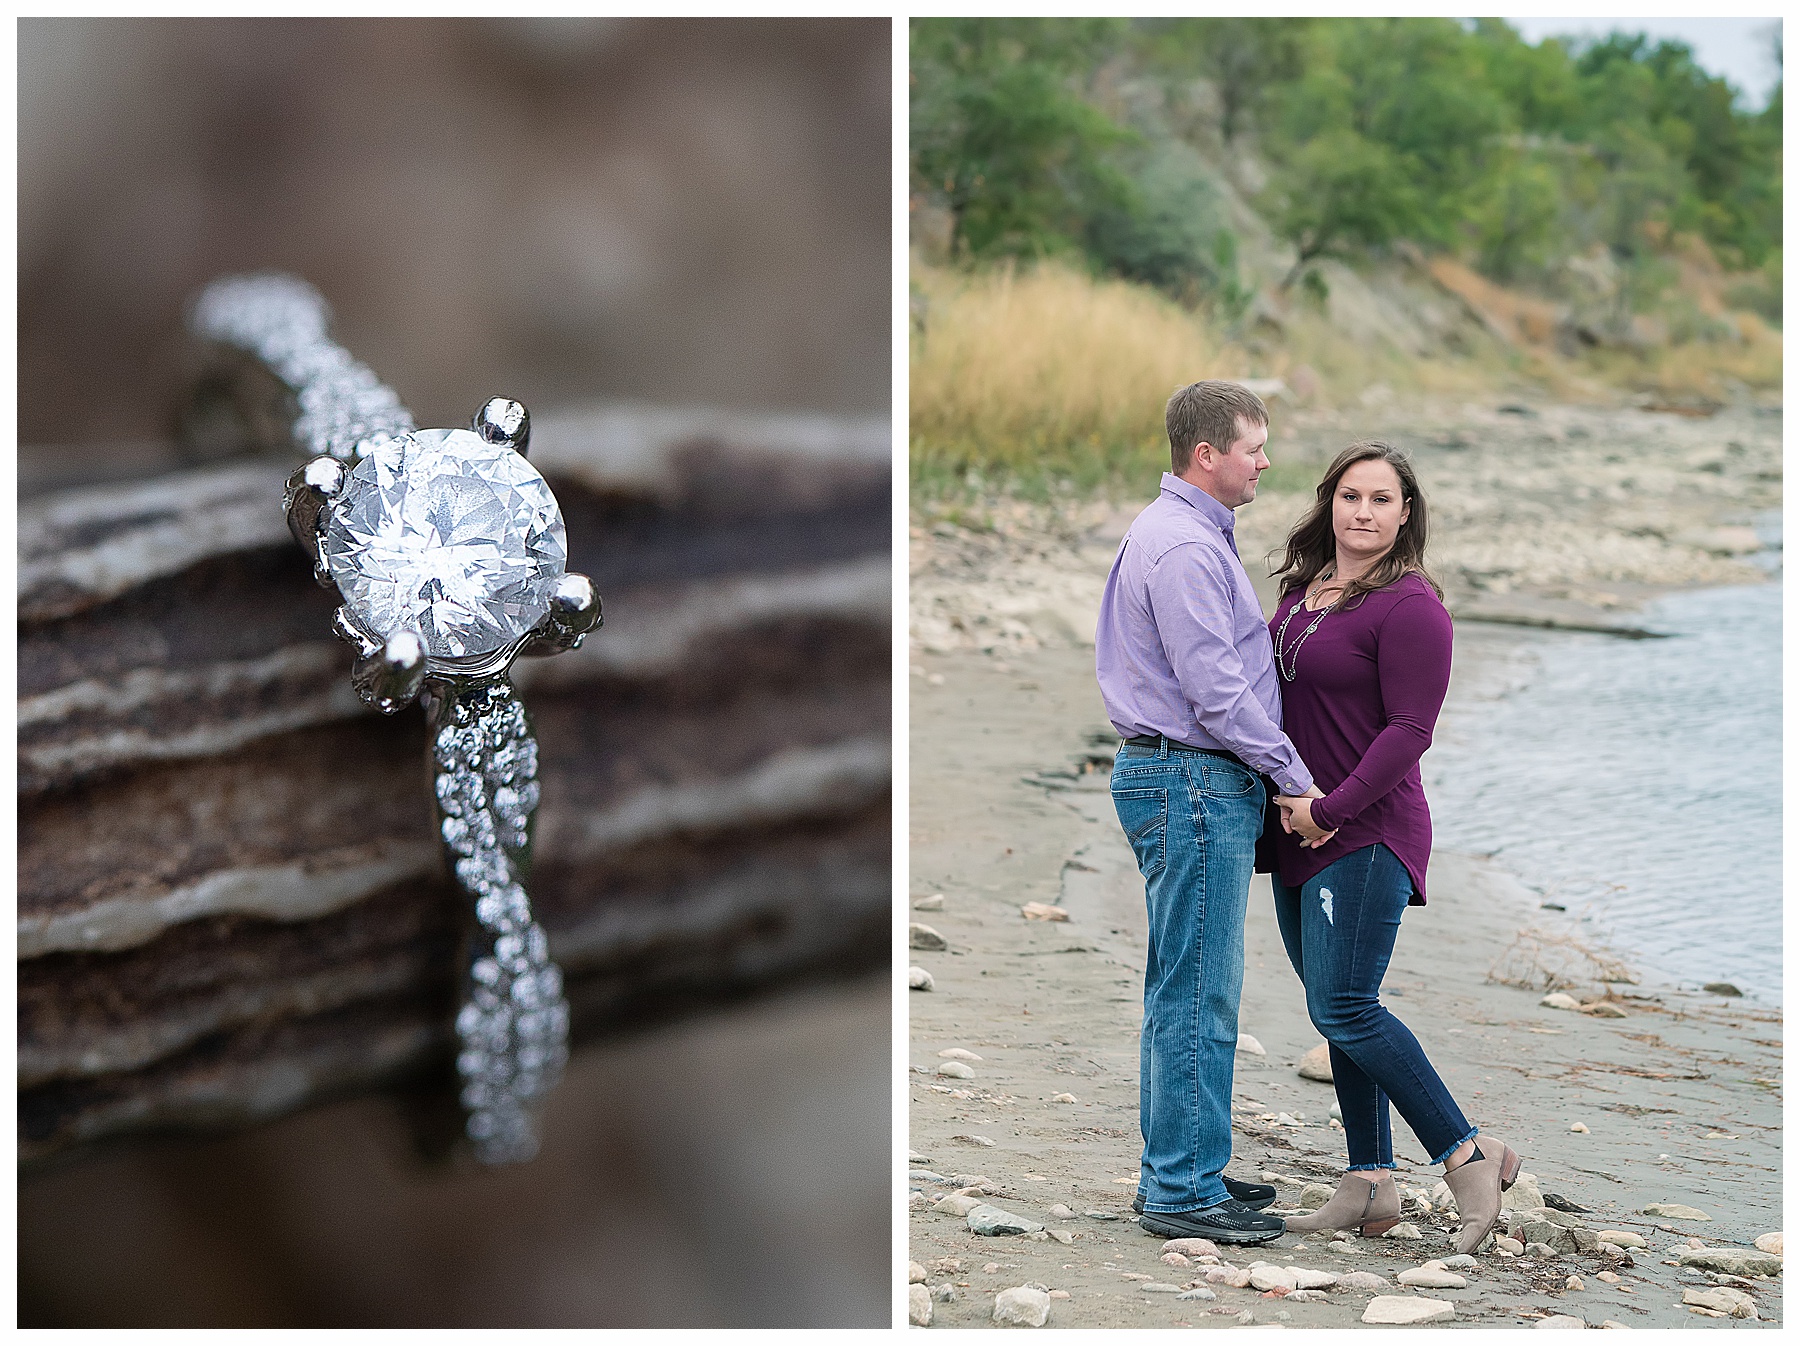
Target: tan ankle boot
(1369, 1207)
(1477, 1186)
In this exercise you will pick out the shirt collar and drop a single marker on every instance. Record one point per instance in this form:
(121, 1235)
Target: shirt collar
(1211, 510)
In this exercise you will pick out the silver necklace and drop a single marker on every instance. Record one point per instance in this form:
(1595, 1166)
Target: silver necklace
(1292, 664)
(448, 550)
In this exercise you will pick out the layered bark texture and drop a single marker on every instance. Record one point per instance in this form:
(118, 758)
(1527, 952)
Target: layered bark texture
(232, 901)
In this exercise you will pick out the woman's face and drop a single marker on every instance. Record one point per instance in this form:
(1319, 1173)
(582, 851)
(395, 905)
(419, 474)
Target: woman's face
(1367, 511)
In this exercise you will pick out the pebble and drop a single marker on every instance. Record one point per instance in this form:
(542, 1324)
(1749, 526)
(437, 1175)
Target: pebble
(1624, 1238)
(914, 1200)
(1061, 1212)
(1283, 1119)
(1198, 1292)
(1062, 1236)
(1315, 1194)
(1671, 1210)
(926, 1175)
(1064, 1098)
(969, 1140)
(1059, 1294)
(1159, 1288)
(1246, 1043)
(1604, 1009)
(991, 1220)
(956, 1204)
(918, 1306)
(1316, 1065)
(1543, 1250)
(1561, 1320)
(1361, 1280)
(1100, 1215)
(958, 1054)
(1610, 1277)
(1574, 1283)
(1245, 1318)
(922, 936)
(914, 1157)
(1459, 1262)
(1235, 1277)
(1270, 1277)
(915, 1274)
(1043, 911)
(933, 903)
(1724, 988)
(1135, 1276)
(956, 1070)
(1769, 1243)
(1523, 1194)
(1400, 1310)
(1404, 1230)
(1722, 1299)
(1174, 1260)
(1613, 1322)
(1560, 1000)
(1307, 1297)
(919, 979)
(1737, 1261)
(1432, 1278)
(1579, 1128)
(1510, 1246)
(944, 1292)
(1022, 1306)
(1192, 1247)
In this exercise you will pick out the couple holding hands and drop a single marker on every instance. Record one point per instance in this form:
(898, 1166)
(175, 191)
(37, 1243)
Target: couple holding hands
(1292, 746)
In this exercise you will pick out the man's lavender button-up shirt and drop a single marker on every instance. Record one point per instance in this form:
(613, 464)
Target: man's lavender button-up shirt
(1182, 648)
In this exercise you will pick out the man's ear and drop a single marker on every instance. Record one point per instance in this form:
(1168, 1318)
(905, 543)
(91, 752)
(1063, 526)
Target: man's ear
(1203, 452)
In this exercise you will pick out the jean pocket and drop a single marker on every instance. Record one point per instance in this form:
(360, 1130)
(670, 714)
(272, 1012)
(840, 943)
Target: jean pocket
(1144, 814)
(1227, 780)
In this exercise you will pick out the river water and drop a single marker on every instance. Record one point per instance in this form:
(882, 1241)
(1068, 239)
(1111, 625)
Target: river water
(1635, 783)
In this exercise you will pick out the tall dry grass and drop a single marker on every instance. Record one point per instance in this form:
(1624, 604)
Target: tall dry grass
(1044, 374)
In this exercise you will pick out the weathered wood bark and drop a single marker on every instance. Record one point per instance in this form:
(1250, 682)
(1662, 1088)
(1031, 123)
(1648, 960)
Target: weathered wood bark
(231, 899)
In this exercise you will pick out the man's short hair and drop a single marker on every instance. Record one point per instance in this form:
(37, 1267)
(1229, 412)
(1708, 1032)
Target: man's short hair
(1209, 411)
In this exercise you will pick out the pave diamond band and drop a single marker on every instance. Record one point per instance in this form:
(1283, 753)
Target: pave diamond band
(448, 550)
(514, 1024)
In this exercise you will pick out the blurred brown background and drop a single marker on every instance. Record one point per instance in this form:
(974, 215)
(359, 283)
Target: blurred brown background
(679, 212)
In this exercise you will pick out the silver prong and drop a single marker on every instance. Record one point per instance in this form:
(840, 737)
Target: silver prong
(344, 627)
(503, 421)
(390, 676)
(310, 492)
(574, 611)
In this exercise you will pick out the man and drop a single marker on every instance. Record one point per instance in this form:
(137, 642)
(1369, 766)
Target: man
(1187, 673)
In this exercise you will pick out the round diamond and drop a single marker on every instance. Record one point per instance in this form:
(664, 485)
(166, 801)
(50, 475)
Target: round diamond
(448, 535)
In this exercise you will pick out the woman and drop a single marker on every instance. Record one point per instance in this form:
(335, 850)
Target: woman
(1362, 644)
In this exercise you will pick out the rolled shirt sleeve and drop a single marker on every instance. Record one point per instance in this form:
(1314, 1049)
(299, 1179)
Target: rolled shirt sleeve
(1190, 595)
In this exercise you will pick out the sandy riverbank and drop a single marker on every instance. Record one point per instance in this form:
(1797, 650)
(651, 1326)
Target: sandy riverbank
(1680, 1099)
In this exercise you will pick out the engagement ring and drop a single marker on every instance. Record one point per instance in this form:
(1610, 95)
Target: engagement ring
(448, 551)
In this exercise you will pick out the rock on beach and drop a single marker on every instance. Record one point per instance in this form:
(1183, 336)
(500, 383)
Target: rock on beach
(1403, 1310)
(1731, 1261)
(922, 936)
(1022, 1306)
(1673, 1210)
(918, 1305)
(985, 1219)
(1316, 1064)
(918, 979)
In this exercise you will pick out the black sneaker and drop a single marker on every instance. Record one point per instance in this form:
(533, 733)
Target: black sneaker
(1256, 1195)
(1228, 1222)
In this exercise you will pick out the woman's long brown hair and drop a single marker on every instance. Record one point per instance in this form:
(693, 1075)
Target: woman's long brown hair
(1312, 546)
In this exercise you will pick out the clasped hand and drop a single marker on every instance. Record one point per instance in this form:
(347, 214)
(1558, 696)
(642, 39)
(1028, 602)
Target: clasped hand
(1296, 817)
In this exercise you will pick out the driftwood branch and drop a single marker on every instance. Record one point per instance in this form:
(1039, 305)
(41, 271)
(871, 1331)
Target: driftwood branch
(231, 900)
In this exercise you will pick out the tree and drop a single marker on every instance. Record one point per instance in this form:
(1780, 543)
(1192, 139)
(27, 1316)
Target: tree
(1002, 136)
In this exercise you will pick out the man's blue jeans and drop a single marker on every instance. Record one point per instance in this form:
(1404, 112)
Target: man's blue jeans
(1339, 928)
(1193, 820)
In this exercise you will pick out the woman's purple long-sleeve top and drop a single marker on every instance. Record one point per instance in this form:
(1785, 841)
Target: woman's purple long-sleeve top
(1368, 685)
